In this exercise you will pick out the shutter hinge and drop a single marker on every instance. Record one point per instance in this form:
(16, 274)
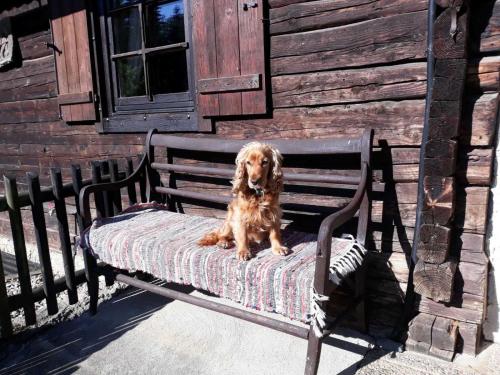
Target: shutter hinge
(250, 4)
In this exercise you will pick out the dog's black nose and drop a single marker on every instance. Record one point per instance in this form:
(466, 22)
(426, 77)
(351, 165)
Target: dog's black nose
(255, 182)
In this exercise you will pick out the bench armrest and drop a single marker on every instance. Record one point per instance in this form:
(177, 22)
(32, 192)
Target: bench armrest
(332, 222)
(84, 197)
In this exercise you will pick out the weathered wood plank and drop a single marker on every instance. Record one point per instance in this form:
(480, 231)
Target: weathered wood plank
(42, 242)
(228, 56)
(16, 225)
(38, 110)
(309, 15)
(474, 167)
(397, 123)
(358, 44)
(461, 314)
(406, 81)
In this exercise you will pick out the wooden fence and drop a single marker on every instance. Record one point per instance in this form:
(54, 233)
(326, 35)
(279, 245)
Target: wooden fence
(58, 193)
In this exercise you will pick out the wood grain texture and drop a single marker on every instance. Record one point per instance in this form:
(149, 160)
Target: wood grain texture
(310, 15)
(407, 81)
(228, 52)
(252, 56)
(205, 52)
(351, 45)
(434, 280)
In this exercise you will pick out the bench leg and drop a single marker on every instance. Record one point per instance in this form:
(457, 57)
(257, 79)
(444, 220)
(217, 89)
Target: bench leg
(92, 281)
(313, 353)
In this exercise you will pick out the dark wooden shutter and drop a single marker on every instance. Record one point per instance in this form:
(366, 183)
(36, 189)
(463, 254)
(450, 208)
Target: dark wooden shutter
(70, 37)
(229, 42)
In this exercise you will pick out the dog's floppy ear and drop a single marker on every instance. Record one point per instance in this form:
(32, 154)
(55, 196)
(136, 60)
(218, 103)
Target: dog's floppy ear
(240, 180)
(276, 173)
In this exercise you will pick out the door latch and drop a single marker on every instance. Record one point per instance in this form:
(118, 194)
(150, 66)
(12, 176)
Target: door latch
(250, 4)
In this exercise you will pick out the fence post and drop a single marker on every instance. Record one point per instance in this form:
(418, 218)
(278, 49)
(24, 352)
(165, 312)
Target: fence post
(132, 195)
(62, 224)
(16, 225)
(116, 196)
(5, 322)
(76, 178)
(142, 182)
(98, 197)
(42, 242)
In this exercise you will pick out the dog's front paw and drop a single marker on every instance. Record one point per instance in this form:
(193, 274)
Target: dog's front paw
(243, 254)
(225, 244)
(281, 250)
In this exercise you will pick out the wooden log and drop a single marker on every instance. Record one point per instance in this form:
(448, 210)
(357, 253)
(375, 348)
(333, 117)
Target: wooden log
(16, 224)
(439, 200)
(483, 75)
(301, 16)
(473, 166)
(364, 43)
(472, 209)
(445, 45)
(473, 279)
(469, 338)
(449, 79)
(395, 123)
(418, 346)
(444, 334)
(485, 28)
(64, 238)
(461, 313)
(406, 81)
(38, 110)
(434, 280)
(479, 120)
(420, 328)
(42, 242)
(389, 266)
(434, 243)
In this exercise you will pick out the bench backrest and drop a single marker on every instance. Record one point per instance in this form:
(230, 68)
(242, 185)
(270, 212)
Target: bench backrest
(222, 151)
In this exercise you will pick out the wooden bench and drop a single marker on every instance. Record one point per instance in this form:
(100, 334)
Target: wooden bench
(354, 215)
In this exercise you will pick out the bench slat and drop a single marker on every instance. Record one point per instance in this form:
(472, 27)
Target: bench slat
(297, 177)
(286, 146)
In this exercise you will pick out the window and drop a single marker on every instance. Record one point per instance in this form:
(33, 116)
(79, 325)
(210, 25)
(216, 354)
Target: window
(148, 59)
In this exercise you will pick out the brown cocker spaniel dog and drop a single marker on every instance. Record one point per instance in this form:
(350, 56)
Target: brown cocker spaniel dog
(254, 214)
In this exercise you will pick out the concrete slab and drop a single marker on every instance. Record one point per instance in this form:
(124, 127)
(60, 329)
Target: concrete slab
(137, 333)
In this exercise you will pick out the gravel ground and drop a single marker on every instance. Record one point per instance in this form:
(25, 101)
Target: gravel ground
(66, 311)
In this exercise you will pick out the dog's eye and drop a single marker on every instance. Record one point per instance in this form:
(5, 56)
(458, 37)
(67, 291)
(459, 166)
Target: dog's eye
(264, 162)
(249, 163)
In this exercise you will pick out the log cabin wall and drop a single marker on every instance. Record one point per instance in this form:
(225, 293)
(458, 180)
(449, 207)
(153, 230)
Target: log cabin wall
(336, 67)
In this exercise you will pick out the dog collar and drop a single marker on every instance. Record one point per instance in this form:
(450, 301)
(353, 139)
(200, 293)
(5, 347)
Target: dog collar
(259, 192)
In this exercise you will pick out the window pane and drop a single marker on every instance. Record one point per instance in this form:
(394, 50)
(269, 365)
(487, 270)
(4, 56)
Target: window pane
(168, 73)
(130, 73)
(127, 30)
(165, 23)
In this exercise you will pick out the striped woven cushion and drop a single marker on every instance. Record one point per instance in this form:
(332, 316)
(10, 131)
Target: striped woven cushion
(162, 243)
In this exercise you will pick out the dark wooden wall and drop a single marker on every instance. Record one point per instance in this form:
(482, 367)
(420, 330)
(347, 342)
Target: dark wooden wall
(337, 67)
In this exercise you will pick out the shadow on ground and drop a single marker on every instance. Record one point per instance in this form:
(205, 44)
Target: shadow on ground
(112, 342)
